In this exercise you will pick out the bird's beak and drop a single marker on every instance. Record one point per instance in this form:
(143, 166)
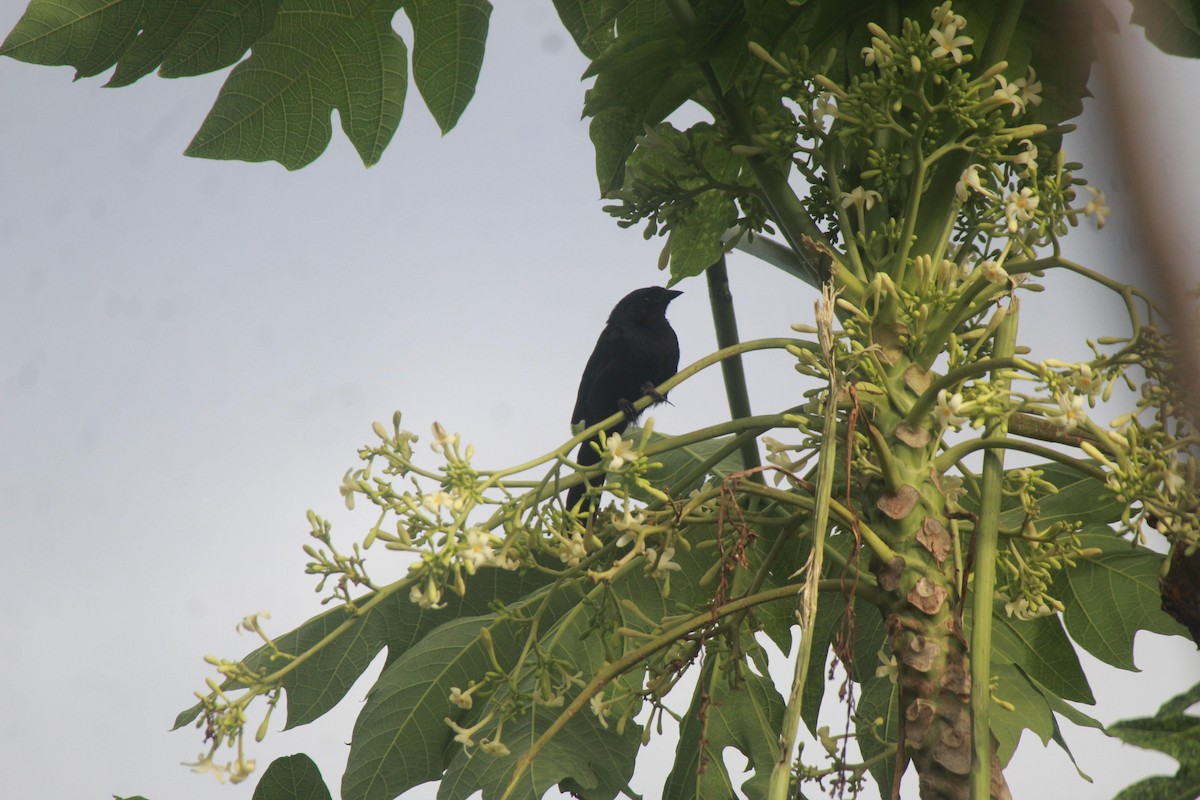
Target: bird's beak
(673, 294)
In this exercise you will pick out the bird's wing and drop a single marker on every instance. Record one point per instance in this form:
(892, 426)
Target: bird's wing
(598, 379)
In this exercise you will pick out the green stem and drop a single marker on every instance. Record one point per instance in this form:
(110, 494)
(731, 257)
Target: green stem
(992, 443)
(732, 370)
(779, 343)
(781, 773)
(986, 538)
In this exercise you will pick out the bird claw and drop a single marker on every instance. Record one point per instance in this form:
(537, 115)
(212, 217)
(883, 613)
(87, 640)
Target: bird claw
(653, 393)
(627, 409)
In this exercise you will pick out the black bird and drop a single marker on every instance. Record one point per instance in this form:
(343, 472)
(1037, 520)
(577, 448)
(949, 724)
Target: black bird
(636, 351)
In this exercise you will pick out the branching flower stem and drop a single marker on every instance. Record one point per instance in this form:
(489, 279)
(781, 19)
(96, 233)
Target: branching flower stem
(954, 454)
(917, 414)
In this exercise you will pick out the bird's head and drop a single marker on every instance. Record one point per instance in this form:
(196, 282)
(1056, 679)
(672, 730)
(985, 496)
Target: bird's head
(643, 305)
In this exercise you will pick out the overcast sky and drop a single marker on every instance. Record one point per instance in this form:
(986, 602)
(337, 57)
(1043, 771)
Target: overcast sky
(192, 351)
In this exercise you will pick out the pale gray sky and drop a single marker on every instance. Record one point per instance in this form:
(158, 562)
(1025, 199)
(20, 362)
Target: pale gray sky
(193, 351)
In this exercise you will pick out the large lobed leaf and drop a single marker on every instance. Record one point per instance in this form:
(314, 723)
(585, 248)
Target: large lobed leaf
(1175, 733)
(1112, 596)
(319, 56)
(177, 37)
(746, 715)
(319, 683)
(1172, 26)
(309, 57)
(585, 758)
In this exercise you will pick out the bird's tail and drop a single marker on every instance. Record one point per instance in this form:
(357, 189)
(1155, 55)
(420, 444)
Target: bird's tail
(587, 456)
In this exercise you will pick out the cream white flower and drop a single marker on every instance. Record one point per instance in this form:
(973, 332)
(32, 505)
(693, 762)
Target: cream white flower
(825, 106)
(879, 52)
(573, 550)
(887, 667)
(620, 450)
(1022, 609)
(993, 272)
(460, 698)
(429, 598)
(241, 769)
(1173, 482)
(1031, 89)
(463, 735)
(350, 486)
(969, 180)
(204, 763)
(1009, 93)
(442, 441)
(1027, 158)
(664, 563)
(435, 500)
(630, 524)
(1097, 207)
(1085, 381)
(860, 198)
(947, 44)
(479, 550)
(948, 406)
(600, 709)
(1070, 413)
(249, 623)
(493, 747)
(943, 16)
(1019, 207)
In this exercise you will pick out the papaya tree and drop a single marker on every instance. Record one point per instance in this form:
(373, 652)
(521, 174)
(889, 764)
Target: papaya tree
(942, 518)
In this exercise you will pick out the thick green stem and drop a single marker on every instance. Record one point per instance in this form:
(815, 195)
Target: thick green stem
(732, 370)
(986, 539)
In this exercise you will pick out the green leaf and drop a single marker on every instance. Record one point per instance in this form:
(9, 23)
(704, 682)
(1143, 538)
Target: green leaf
(1174, 733)
(1041, 648)
(1171, 25)
(746, 716)
(185, 37)
(448, 42)
(1069, 712)
(593, 761)
(293, 777)
(1110, 597)
(1030, 710)
(878, 701)
(90, 35)
(1063, 63)
(593, 23)
(400, 738)
(319, 683)
(276, 105)
(679, 462)
(640, 79)
(696, 238)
